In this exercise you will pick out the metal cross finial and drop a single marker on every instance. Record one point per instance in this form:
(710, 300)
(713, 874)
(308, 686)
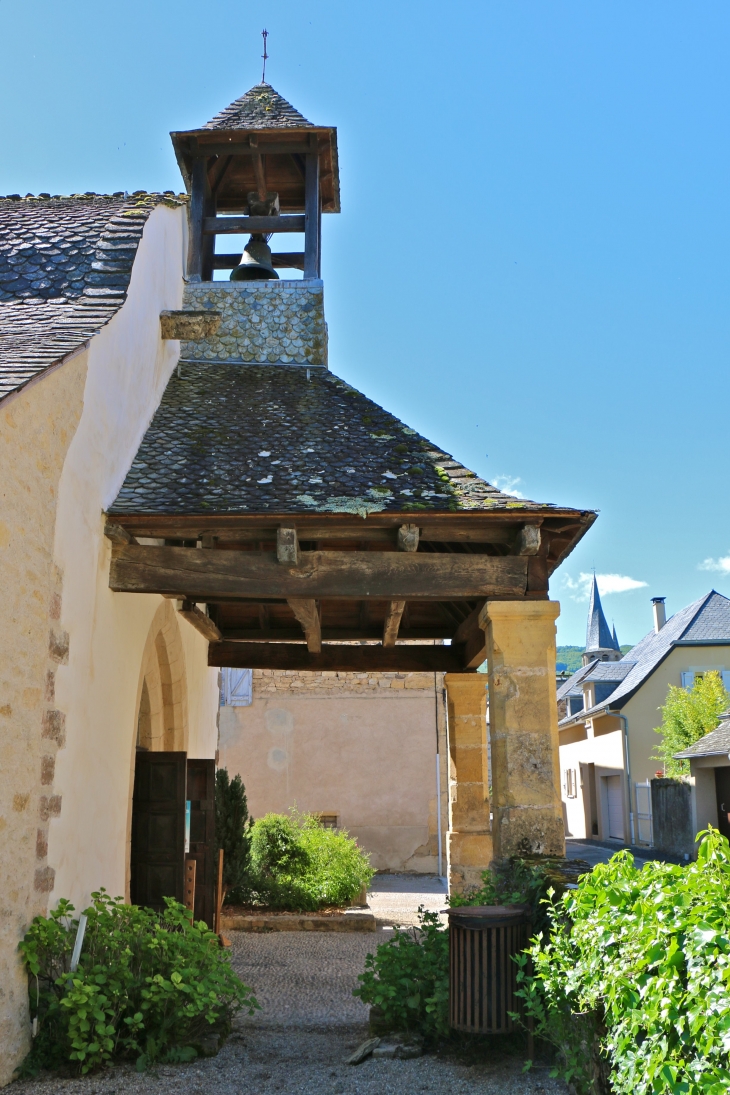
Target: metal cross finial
(264, 35)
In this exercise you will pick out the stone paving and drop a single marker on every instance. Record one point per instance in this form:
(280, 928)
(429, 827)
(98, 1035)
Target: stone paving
(310, 1023)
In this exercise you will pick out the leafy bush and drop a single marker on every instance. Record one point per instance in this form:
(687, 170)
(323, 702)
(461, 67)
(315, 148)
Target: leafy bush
(233, 834)
(687, 716)
(149, 985)
(635, 978)
(297, 864)
(408, 979)
(512, 881)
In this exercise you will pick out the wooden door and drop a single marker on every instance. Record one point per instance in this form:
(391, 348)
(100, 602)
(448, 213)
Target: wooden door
(158, 828)
(722, 789)
(201, 796)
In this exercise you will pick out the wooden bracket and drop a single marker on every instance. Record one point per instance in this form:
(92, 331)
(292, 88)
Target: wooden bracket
(392, 622)
(117, 534)
(307, 612)
(200, 622)
(408, 536)
(529, 540)
(287, 547)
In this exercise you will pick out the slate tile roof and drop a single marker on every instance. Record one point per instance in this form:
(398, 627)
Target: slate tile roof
(259, 108)
(573, 686)
(706, 620)
(247, 439)
(713, 744)
(598, 636)
(65, 265)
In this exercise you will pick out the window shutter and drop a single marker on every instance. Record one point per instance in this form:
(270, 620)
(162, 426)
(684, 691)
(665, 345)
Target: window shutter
(726, 679)
(688, 679)
(238, 687)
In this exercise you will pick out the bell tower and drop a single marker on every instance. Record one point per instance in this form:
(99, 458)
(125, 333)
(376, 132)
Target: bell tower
(258, 167)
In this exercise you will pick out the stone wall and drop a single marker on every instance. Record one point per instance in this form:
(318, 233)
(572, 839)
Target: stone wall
(268, 681)
(264, 322)
(36, 429)
(362, 747)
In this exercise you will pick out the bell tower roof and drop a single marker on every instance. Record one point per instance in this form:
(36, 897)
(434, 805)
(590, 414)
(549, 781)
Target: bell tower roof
(260, 143)
(259, 109)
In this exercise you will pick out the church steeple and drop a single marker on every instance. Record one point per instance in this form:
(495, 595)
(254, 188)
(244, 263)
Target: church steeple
(600, 643)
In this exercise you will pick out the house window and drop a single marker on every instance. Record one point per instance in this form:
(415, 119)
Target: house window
(327, 821)
(237, 687)
(689, 677)
(571, 783)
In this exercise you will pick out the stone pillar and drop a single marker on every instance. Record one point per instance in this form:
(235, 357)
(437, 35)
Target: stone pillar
(469, 847)
(523, 725)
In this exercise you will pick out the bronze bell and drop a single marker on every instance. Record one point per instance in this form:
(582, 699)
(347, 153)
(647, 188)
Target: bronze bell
(255, 262)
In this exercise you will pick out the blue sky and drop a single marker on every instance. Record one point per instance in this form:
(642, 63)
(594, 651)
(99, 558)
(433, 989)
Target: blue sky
(531, 264)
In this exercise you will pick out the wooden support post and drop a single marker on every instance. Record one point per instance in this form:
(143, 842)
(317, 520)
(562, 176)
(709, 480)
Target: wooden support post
(258, 167)
(207, 250)
(311, 214)
(307, 612)
(287, 547)
(196, 213)
(219, 894)
(189, 886)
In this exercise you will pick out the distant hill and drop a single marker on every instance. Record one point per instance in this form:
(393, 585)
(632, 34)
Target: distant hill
(570, 658)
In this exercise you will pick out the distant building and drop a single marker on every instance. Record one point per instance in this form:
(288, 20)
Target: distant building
(608, 710)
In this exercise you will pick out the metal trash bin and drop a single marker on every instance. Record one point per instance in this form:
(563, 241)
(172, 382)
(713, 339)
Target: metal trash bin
(482, 974)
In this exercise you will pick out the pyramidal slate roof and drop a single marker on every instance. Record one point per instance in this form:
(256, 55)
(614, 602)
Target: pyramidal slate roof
(65, 267)
(230, 438)
(706, 620)
(598, 635)
(260, 108)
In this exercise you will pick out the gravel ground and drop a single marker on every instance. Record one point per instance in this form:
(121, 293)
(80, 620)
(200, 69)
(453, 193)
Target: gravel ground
(310, 1023)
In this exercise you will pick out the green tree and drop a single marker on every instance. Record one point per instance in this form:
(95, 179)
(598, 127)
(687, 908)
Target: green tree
(232, 825)
(687, 716)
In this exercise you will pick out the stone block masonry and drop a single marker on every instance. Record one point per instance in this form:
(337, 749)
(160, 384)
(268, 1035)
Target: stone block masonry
(263, 322)
(270, 681)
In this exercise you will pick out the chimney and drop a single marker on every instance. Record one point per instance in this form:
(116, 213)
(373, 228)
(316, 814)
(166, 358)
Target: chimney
(660, 614)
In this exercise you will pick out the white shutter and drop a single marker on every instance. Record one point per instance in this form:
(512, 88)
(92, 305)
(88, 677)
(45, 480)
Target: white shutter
(688, 679)
(726, 679)
(237, 687)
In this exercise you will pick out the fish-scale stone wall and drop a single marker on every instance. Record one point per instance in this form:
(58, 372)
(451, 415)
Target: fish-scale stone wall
(263, 322)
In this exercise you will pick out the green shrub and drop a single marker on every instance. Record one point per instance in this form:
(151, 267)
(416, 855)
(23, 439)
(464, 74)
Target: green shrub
(297, 864)
(512, 881)
(151, 986)
(688, 715)
(408, 979)
(233, 835)
(636, 975)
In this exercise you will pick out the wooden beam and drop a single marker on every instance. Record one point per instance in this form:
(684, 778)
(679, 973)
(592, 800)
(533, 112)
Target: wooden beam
(392, 622)
(237, 225)
(287, 548)
(307, 612)
(238, 148)
(330, 634)
(311, 216)
(471, 639)
(280, 260)
(350, 575)
(200, 622)
(342, 658)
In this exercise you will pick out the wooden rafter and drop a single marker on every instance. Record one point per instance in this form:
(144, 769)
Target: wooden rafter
(345, 658)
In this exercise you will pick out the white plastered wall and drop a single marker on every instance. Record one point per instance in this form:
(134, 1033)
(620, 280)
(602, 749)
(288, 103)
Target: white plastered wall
(99, 688)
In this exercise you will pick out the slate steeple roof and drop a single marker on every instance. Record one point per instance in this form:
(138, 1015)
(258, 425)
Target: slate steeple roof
(615, 638)
(598, 635)
(260, 108)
